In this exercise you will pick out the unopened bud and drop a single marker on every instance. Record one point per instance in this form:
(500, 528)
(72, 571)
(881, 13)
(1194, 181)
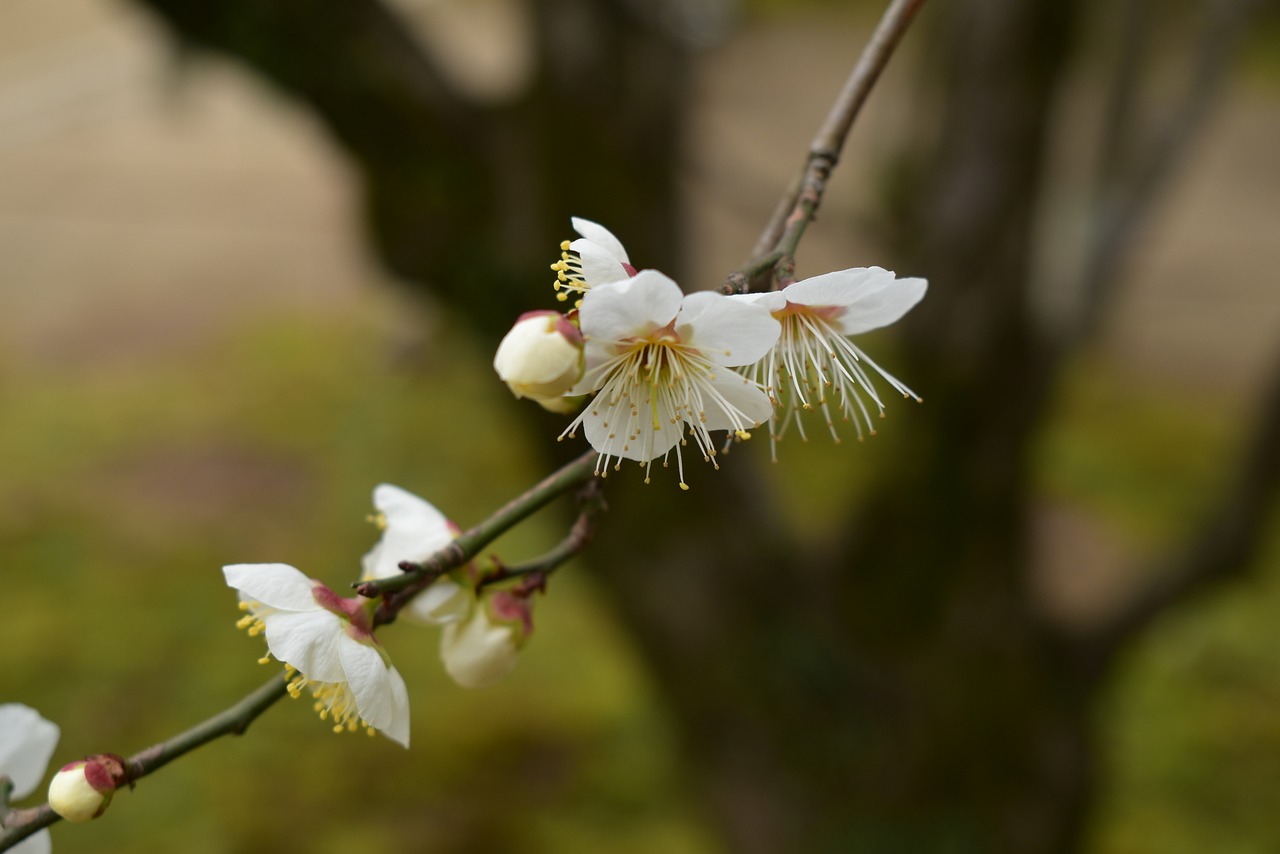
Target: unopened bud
(541, 357)
(81, 790)
(482, 649)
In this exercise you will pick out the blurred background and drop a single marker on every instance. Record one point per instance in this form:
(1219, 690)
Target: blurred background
(232, 301)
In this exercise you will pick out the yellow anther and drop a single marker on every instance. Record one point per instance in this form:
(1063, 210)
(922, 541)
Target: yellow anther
(266, 659)
(742, 434)
(564, 245)
(684, 486)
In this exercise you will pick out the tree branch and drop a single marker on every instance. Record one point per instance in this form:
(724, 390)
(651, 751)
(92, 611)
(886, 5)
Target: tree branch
(800, 203)
(592, 502)
(398, 590)
(20, 824)
(1223, 544)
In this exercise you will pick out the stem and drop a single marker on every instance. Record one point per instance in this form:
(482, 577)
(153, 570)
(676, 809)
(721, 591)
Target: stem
(575, 541)
(20, 824)
(800, 203)
(465, 546)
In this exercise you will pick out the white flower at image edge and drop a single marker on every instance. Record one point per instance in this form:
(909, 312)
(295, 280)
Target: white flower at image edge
(814, 357)
(328, 641)
(26, 744)
(595, 258)
(413, 530)
(660, 363)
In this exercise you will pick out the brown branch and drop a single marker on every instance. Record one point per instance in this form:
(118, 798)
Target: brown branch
(397, 591)
(591, 499)
(1223, 546)
(20, 824)
(799, 203)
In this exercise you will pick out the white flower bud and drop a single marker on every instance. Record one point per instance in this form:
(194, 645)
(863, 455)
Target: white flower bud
(81, 790)
(541, 357)
(482, 649)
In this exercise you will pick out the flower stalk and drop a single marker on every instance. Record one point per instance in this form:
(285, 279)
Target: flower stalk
(469, 543)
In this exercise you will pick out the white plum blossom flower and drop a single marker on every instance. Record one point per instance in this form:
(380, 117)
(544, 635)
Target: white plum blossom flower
(483, 648)
(327, 643)
(814, 357)
(541, 359)
(413, 530)
(660, 362)
(595, 258)
(26, 744)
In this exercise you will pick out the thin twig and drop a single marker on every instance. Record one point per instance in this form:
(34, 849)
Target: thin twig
(592, 502)
(20, 824)
(800, 202)
(467, 544)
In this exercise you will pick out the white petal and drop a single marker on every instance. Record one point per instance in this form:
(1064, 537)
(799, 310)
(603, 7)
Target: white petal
(398, 728)
(415, 531)
(883, 306)
(599, 266)
(37, 843)
(276, 585)
(598, 234)
(477, 653)
(841, 288)
(610, 432)
(727, 331)
(772, 300)
(26, 742)
(407, 512)
(647, 301)
(308, 641)
(370, 679)
(443, 602)
(745, 396)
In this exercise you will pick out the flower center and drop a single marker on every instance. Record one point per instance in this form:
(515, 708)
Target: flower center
(570, 278)
(654, 385)
(813, 358)
(333, 701)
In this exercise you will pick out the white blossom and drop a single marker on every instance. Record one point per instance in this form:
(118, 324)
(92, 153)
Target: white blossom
(27, 741)
(595, 258)
(413, 530)
(661, 363)
(541, 358)
(327, 643)
(814, 363)
(483, 648)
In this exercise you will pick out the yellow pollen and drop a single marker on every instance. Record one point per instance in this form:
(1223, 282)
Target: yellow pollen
(564, 245)
(684, 486)
(332, 701)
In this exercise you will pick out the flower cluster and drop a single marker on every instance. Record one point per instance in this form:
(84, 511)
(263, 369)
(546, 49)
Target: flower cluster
(660, 366)
(327, 642)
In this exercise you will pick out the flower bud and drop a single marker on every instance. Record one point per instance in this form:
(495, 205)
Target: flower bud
(82, 790)
(482, 649)
(541, 357)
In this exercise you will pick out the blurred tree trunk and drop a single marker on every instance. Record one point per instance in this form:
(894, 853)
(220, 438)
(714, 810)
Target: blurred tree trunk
(891, 688)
